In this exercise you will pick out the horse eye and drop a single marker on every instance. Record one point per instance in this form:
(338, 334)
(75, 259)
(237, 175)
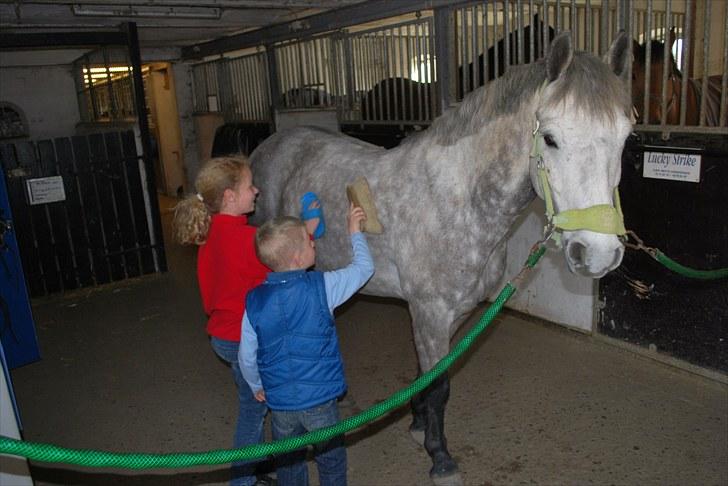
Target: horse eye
(550, 141)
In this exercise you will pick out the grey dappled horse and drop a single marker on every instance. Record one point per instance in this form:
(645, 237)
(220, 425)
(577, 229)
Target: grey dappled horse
(448, 195)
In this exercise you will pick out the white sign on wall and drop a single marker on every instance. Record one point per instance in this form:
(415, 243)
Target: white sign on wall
(676, 167)
(45, 190)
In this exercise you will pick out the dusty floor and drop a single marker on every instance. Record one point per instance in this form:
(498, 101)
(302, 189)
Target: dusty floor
(127, 367)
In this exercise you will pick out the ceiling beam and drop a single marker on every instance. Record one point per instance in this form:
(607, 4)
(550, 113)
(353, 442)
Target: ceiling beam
(240, 4)
(61, 39)
(331, 20)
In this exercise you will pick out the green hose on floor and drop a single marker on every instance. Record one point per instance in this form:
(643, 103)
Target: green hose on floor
(92, 458)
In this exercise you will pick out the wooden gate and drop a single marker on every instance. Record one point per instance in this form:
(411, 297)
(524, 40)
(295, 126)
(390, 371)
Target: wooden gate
(82, 213)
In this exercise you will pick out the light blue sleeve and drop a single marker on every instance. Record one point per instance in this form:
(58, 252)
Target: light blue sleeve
(248, 355)
(343, 283)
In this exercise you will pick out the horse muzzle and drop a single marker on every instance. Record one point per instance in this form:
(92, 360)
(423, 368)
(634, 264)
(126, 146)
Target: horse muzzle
(591, 254)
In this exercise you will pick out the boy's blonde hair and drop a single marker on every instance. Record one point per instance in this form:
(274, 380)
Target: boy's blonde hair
(277, 241)
(192, 214)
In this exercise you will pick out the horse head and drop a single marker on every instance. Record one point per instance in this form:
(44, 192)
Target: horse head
(582, 123)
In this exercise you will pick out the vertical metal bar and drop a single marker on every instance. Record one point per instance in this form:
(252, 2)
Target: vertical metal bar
(706, 61)
(724, 82)
(236, 101)
(250, 80)
(113, 108)
(474, 46)
(427, 58)
(155, 237)
(532, 54)
(273, 81)
(387, 75)
(604, 27)
(496, 64)
(686, 41)
(348, 73)
(665, 65)
(420, 97)
(630, 31)
(373, 45)
(410, 50)
(431, 69)
(648, 64)
(557, 14)
(463, 56)
(506, 36)
(545, 30)
(404, 73)
(588, 31)
(573, 23)
(520, 27)
(486, 44)
(327, 48)
(442, 54)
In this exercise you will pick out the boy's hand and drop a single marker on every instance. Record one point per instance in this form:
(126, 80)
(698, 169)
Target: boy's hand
(260, 395)
(355, 217)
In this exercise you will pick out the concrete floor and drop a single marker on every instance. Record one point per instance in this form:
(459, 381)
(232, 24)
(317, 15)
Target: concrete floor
(127, 367)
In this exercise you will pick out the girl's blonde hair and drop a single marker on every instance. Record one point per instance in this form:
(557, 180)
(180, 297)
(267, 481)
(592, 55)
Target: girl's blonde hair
(192, 214)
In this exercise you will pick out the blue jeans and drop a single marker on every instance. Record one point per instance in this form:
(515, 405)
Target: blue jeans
(251, 413)
(330, 456)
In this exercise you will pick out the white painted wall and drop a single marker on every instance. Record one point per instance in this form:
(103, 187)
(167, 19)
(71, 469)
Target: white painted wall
(185, 108)
(41, 84)
(551, 292)
(46, 94)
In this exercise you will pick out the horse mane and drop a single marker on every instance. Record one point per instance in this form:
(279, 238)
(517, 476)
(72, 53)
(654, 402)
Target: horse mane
(587, 79)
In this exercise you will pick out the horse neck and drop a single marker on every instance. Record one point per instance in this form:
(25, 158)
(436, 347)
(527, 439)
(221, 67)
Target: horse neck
(486, 142)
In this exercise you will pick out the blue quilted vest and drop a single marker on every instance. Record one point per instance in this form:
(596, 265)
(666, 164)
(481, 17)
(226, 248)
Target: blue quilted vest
(298, 350)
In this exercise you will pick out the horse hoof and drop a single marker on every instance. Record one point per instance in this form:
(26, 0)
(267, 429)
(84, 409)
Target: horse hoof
(450, 479)
(418, 436)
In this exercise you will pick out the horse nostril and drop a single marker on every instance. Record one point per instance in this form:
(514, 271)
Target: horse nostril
(576, 253)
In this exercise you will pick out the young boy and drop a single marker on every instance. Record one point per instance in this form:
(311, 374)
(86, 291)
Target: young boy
(289, 353)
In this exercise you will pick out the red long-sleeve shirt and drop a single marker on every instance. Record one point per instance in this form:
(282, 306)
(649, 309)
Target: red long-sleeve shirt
(227, 268)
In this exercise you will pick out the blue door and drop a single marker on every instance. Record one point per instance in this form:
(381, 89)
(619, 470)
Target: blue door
(17, 330)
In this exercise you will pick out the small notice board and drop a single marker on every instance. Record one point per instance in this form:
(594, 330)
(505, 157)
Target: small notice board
(672, 166)
(44, 190)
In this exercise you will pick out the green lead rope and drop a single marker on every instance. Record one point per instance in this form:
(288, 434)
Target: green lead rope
(91, 458)
(671, 264)
(687, 271)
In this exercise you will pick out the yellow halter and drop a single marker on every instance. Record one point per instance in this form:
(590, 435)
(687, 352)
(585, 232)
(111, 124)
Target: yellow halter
(600, 218)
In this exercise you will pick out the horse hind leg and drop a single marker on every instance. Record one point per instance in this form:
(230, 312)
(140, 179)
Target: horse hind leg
(428, 407)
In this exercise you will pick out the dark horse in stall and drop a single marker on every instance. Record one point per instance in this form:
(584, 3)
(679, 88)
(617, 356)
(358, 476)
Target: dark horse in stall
(471, 81)
(673, 87)
(448, 195)
(396, 99)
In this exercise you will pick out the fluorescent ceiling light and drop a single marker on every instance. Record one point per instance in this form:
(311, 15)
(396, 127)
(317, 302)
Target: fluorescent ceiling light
(99, 10)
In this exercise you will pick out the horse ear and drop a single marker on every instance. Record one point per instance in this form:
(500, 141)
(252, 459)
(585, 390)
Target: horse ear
(560, 55)
(619, 56)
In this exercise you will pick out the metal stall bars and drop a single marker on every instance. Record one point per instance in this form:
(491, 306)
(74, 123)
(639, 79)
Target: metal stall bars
(308, 74)
(104, 86)
(681, 66)
(236, 86)
(392, 74)
(492, 35)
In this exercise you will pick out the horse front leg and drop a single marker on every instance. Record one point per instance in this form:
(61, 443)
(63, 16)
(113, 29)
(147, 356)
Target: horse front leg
(432, 339)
